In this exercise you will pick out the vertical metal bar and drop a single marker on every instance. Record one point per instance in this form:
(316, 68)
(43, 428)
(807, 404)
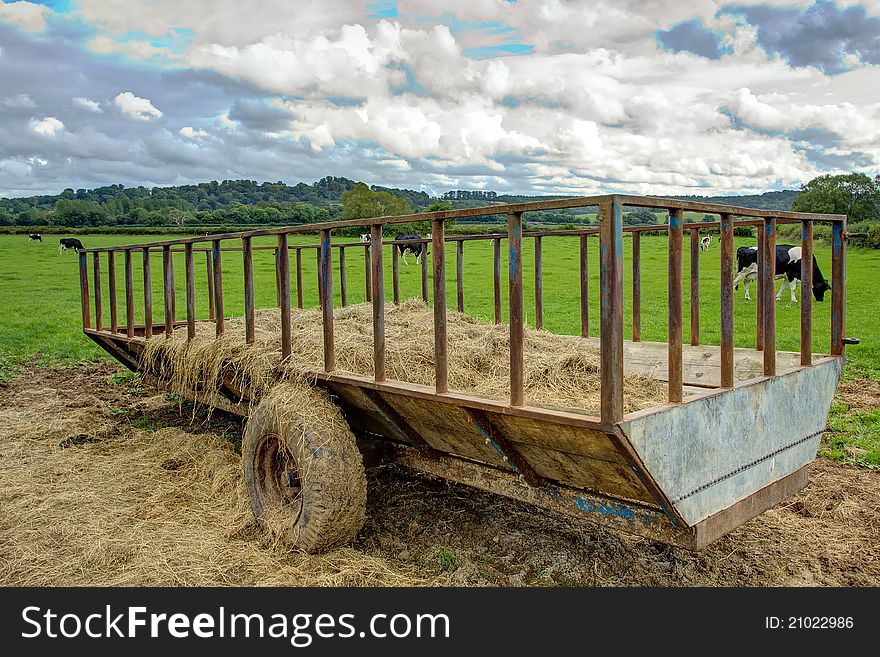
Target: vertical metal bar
(343, 281)
(320, 278)
(84, 289)
(459, 274)
(585, 287)
(637, 286)
(806, 293)
(209, 261)
(190, 271)
(248, 264)
(539, 285)
(441, 356)
(168, 289)
(148, 296)
(299, 278)
(674, 302)
(129, 295)
(277, 279)
(378, 285)
(218, 287)
(367, 275)
(111, 282)
(284, 294)
(395, 273)
(695, 286)
(611, 306)
(99, 309)
(515, 285)
(726, 301)
(424, 264)
(769, 296)
(496, 278)
(838, 286)
(325, 279)
(759, 314)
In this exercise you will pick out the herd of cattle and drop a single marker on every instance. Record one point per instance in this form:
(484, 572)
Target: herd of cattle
(788, 261)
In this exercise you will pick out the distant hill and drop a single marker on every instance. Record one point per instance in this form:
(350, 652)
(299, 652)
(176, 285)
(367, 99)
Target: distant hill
(249, 203)
(767, 201)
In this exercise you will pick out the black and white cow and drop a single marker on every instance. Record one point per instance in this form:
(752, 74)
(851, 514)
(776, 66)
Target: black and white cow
(35, 237)
(705, 241)
(365, 238)
(788, 265)
(418, 248)
(69, 243)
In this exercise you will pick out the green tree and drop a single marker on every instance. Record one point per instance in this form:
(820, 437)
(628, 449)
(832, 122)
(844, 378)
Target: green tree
(640, 217)
(853, 194)
(362, 202)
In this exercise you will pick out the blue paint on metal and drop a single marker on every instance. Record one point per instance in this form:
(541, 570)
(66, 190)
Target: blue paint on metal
(216, 250)
(803, 231)
(768, 227)
(675, 220)
(587, 505)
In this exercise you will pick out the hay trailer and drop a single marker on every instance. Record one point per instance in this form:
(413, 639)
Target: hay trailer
(733, 438)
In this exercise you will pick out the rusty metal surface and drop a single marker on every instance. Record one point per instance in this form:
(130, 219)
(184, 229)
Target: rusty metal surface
(611, 306)
(441, 354)
(378, 281)
(674, 330)
(838, 287)
(515, 287)
(769, 298)
(807, 294)
(726, 301)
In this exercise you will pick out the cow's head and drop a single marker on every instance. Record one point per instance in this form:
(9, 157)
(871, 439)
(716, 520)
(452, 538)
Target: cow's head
(819, 289)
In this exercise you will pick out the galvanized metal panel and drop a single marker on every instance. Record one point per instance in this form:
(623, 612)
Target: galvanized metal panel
(714, 451)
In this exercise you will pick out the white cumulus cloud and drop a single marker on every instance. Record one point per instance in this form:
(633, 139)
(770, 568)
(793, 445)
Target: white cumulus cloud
(48, 126)
(28, 15)
(88, 104)
(19, 100)
(189, 132)
(136, 107)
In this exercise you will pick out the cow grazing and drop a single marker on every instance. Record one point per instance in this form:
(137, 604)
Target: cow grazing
(365, 238)
(35, 237)
(705, 242)
(420, 250)
(788, 265)
(69, 243)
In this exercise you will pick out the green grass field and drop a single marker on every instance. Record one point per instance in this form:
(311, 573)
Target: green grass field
(40, 306)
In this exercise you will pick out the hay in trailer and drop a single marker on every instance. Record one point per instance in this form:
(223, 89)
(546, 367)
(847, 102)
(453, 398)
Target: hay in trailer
(560, 370)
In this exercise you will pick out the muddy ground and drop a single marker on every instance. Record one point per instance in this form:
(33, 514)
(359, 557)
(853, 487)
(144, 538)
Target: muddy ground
(106, 482)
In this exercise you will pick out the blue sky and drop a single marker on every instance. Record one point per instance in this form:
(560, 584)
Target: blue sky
(549, 96)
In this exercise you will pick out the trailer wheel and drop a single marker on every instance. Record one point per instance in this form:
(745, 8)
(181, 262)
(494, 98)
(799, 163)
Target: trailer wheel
(303, 480)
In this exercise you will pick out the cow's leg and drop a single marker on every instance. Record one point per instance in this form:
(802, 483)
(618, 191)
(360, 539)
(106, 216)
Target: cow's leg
(792, 286)
(746, 284)
(781, 288)
(403, 253)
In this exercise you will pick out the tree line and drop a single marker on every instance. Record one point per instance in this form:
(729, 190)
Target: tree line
(249, 203)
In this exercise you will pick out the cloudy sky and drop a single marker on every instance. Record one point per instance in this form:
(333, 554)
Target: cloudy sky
(537, 96)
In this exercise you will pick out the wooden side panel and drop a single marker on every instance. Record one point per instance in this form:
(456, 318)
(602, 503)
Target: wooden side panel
(579, 457)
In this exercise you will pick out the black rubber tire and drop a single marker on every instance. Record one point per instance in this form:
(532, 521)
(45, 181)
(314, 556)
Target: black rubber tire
(308, 483)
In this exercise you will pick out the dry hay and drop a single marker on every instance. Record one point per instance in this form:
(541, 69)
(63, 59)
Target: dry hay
(90, 499)
(560, 370)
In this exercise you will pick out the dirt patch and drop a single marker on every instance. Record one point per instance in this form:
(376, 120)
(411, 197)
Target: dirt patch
(149, 492)
(859, 394)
